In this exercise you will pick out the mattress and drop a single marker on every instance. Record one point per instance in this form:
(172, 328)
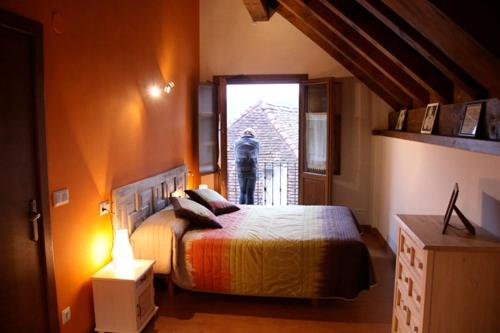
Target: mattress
(288, 251)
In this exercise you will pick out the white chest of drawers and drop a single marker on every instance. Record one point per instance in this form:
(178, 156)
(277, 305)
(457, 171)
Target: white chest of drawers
(445, 283)
(124, 301)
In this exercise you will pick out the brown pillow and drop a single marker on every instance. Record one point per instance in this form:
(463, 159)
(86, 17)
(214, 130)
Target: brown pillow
(195, 213)
(212, 200)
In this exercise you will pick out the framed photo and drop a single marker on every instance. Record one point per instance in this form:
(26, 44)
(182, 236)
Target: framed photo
(401, 120)
(471, 119)
(452, 206)
(429, 118)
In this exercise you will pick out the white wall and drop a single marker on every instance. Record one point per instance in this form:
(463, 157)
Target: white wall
(416, 178)
(230, 43)
(352, 187)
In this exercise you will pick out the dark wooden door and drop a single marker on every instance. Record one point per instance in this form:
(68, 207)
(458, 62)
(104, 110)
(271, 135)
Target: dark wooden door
(26, 301)
(316, 116)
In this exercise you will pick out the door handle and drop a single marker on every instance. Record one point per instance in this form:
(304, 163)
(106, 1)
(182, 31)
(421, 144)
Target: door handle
(35, 216)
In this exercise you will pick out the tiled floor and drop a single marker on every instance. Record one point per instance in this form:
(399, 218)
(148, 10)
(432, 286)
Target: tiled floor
(199, 312)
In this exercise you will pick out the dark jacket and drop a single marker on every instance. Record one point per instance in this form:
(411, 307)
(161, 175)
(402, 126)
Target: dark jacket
(247, 153)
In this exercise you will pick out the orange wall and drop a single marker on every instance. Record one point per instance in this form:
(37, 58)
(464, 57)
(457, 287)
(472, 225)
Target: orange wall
(102, 130)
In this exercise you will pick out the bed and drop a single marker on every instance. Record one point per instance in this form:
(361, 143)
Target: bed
(286, 251)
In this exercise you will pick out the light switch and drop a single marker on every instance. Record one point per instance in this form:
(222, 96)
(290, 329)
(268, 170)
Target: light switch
(60, 197)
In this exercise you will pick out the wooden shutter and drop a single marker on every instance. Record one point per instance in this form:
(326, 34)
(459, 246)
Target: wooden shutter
(319, 136)
(208, 143)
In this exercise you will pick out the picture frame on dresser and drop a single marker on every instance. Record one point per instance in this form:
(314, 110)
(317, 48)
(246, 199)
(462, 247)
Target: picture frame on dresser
(430, 116)
(470, 121)
(452, 206)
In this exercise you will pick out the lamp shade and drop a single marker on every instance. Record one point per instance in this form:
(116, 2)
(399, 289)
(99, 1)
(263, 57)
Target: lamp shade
(123, 257)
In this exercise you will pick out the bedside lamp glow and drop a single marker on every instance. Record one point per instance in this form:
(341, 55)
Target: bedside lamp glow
(123, 257)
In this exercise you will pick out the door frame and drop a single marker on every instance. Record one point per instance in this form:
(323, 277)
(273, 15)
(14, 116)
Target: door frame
(221, 82)
(35, 30)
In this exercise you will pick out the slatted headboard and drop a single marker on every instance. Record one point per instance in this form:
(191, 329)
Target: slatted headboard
(133, 203)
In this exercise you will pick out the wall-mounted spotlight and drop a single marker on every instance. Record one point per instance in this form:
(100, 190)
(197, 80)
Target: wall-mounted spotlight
(155, 91)
(168, 88)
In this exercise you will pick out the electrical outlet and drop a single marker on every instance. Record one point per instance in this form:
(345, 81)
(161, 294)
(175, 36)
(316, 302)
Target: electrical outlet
(66, 315)
(104, 208)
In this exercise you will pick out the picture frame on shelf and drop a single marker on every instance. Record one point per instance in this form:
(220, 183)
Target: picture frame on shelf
(401, 119)
(471, 118)
(430, 116)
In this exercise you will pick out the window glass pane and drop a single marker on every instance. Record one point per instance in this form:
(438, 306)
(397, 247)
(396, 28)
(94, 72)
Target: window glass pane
(316, 128)
(317, 98)
(316, 141)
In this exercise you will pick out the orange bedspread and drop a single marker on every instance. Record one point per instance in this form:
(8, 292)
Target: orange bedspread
(289, 251)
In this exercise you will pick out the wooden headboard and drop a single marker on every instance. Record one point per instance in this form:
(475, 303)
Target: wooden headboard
(133, 203)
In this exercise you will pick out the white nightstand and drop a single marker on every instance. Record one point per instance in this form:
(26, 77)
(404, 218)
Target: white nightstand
(124, 301)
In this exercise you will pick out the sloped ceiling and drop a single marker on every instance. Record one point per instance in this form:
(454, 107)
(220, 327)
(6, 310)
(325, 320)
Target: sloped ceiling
(408, 52)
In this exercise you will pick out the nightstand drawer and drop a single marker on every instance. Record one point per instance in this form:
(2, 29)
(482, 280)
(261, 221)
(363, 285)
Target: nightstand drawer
(145, 304)
(144, 280)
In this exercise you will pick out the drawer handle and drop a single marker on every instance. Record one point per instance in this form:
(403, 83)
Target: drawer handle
(139, 311)
(410, 287)
(415, 329)
(406, 279)
(408, 250)
(419, 298)
(412, 258)
(143, 278)
(408, 317)
(420, 265)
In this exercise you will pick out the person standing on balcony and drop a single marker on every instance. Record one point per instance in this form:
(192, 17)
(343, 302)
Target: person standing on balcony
(247, 153)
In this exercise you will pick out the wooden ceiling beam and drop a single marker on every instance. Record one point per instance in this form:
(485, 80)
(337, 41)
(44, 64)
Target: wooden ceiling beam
(452, 40)
(258, 9)
(419, 94)
(343, 53)
(438, 84)
(462, 80)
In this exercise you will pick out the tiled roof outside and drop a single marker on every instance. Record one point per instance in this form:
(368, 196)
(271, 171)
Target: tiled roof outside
(276, 127)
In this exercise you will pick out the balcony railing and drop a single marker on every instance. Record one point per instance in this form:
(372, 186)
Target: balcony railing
(277, 184)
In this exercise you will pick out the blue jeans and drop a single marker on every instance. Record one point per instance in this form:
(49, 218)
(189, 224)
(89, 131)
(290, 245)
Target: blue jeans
(247, 189)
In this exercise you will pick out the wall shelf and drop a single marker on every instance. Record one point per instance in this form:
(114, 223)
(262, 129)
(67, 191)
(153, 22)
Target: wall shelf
(470, 144)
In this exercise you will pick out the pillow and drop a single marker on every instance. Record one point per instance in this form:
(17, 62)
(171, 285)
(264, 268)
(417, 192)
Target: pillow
(195, 213)
(212, 200)
(157, 238)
